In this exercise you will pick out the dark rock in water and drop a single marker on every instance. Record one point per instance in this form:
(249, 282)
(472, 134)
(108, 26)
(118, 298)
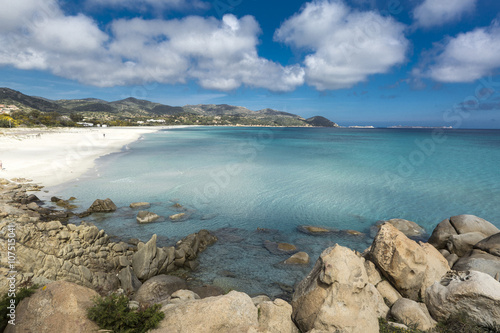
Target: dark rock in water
(299, 258)
(179, 217)
(102, 206)
(84, 214)
(140, 205)
(227, 274)
(267, 231)
(32, 198)
(279, 248)
(55, 199)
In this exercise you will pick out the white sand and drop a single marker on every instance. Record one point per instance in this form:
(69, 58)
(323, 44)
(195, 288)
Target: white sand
(55, 156)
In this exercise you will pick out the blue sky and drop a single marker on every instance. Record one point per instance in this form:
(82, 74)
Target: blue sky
(358, 62)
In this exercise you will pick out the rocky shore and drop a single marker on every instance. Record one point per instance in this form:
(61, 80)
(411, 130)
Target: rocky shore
(406, 281)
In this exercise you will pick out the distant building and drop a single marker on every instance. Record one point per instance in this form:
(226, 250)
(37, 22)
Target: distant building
(84, 124)
(155, 120)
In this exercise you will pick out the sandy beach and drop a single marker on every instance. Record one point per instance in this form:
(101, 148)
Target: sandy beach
(54, 156)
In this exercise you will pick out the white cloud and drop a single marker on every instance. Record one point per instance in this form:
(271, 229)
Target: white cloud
(347, 45)
(438, 12)
(467, 57)
(218, 54)
(147, 5)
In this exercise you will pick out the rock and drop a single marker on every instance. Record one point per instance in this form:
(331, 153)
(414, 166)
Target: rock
(275, 317)
(146, 217)
(140, 205)
(410, 267)
(158, 289)
(473, 294)
(260, 299)
(452, 259)
(412, 313)
(60, 307)
(463, 243)
(460, 224)
(490, 245)
(143, 261)
(312, 230)
(33, 206)
(178, 217)
(372, 272)
(229, 313)
(102, 206)
(285, 247)
(388, 292)
(340, 275)
(480, 261)
(128, 281)
(299, 258)
(409, 228)
(207, 291)
(183, 296)
(279, 248)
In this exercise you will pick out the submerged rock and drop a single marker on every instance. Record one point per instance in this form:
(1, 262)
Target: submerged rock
(409, 228)
(313, 230)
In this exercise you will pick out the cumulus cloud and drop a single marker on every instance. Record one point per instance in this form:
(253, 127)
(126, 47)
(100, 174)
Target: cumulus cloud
(345, 45)
(432, 13)
(466, 57)
(218, 54)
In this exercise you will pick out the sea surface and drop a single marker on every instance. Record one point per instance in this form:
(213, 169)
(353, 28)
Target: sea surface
(257, 186)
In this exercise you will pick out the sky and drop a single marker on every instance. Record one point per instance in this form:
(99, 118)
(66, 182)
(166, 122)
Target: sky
(357, 62)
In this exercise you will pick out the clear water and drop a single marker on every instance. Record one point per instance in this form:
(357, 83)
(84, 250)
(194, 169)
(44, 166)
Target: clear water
(234, 180)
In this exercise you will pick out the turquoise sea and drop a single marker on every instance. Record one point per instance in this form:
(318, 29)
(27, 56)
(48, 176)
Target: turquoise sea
(238, 181)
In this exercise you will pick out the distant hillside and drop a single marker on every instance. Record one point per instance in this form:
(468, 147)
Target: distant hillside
(13, 97)
(132, 111)
(321, 122)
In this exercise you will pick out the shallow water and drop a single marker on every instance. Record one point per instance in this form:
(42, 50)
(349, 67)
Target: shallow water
(235, 180)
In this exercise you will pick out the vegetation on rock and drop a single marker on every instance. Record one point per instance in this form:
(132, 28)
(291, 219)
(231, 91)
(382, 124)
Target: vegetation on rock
(113, 313)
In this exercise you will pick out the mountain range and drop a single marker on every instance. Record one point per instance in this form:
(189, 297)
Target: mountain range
(136, 108)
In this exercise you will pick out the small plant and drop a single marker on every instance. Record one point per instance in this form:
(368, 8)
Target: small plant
(112, 313)
(5, 303)
(461, 323)
(384, 327)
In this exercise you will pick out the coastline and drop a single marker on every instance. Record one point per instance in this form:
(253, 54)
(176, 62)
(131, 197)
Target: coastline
(54, 156)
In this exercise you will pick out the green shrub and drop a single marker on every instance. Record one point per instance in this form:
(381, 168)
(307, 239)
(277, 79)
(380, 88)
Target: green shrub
(21, 294)
(112, 313)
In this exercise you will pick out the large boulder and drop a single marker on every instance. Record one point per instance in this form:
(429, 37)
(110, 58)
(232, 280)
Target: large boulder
(480, 261)
(340, 275)
(159, 289)
(102, 206)
(128, 281)
(60, 307)
(411, 267)
(229, 313)
(472, 294)
(276, 317)
(409, 312)
(144, 261)
(490, 245)
(458, 225)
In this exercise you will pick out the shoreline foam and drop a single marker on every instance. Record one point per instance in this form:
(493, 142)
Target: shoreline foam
(54, 156)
